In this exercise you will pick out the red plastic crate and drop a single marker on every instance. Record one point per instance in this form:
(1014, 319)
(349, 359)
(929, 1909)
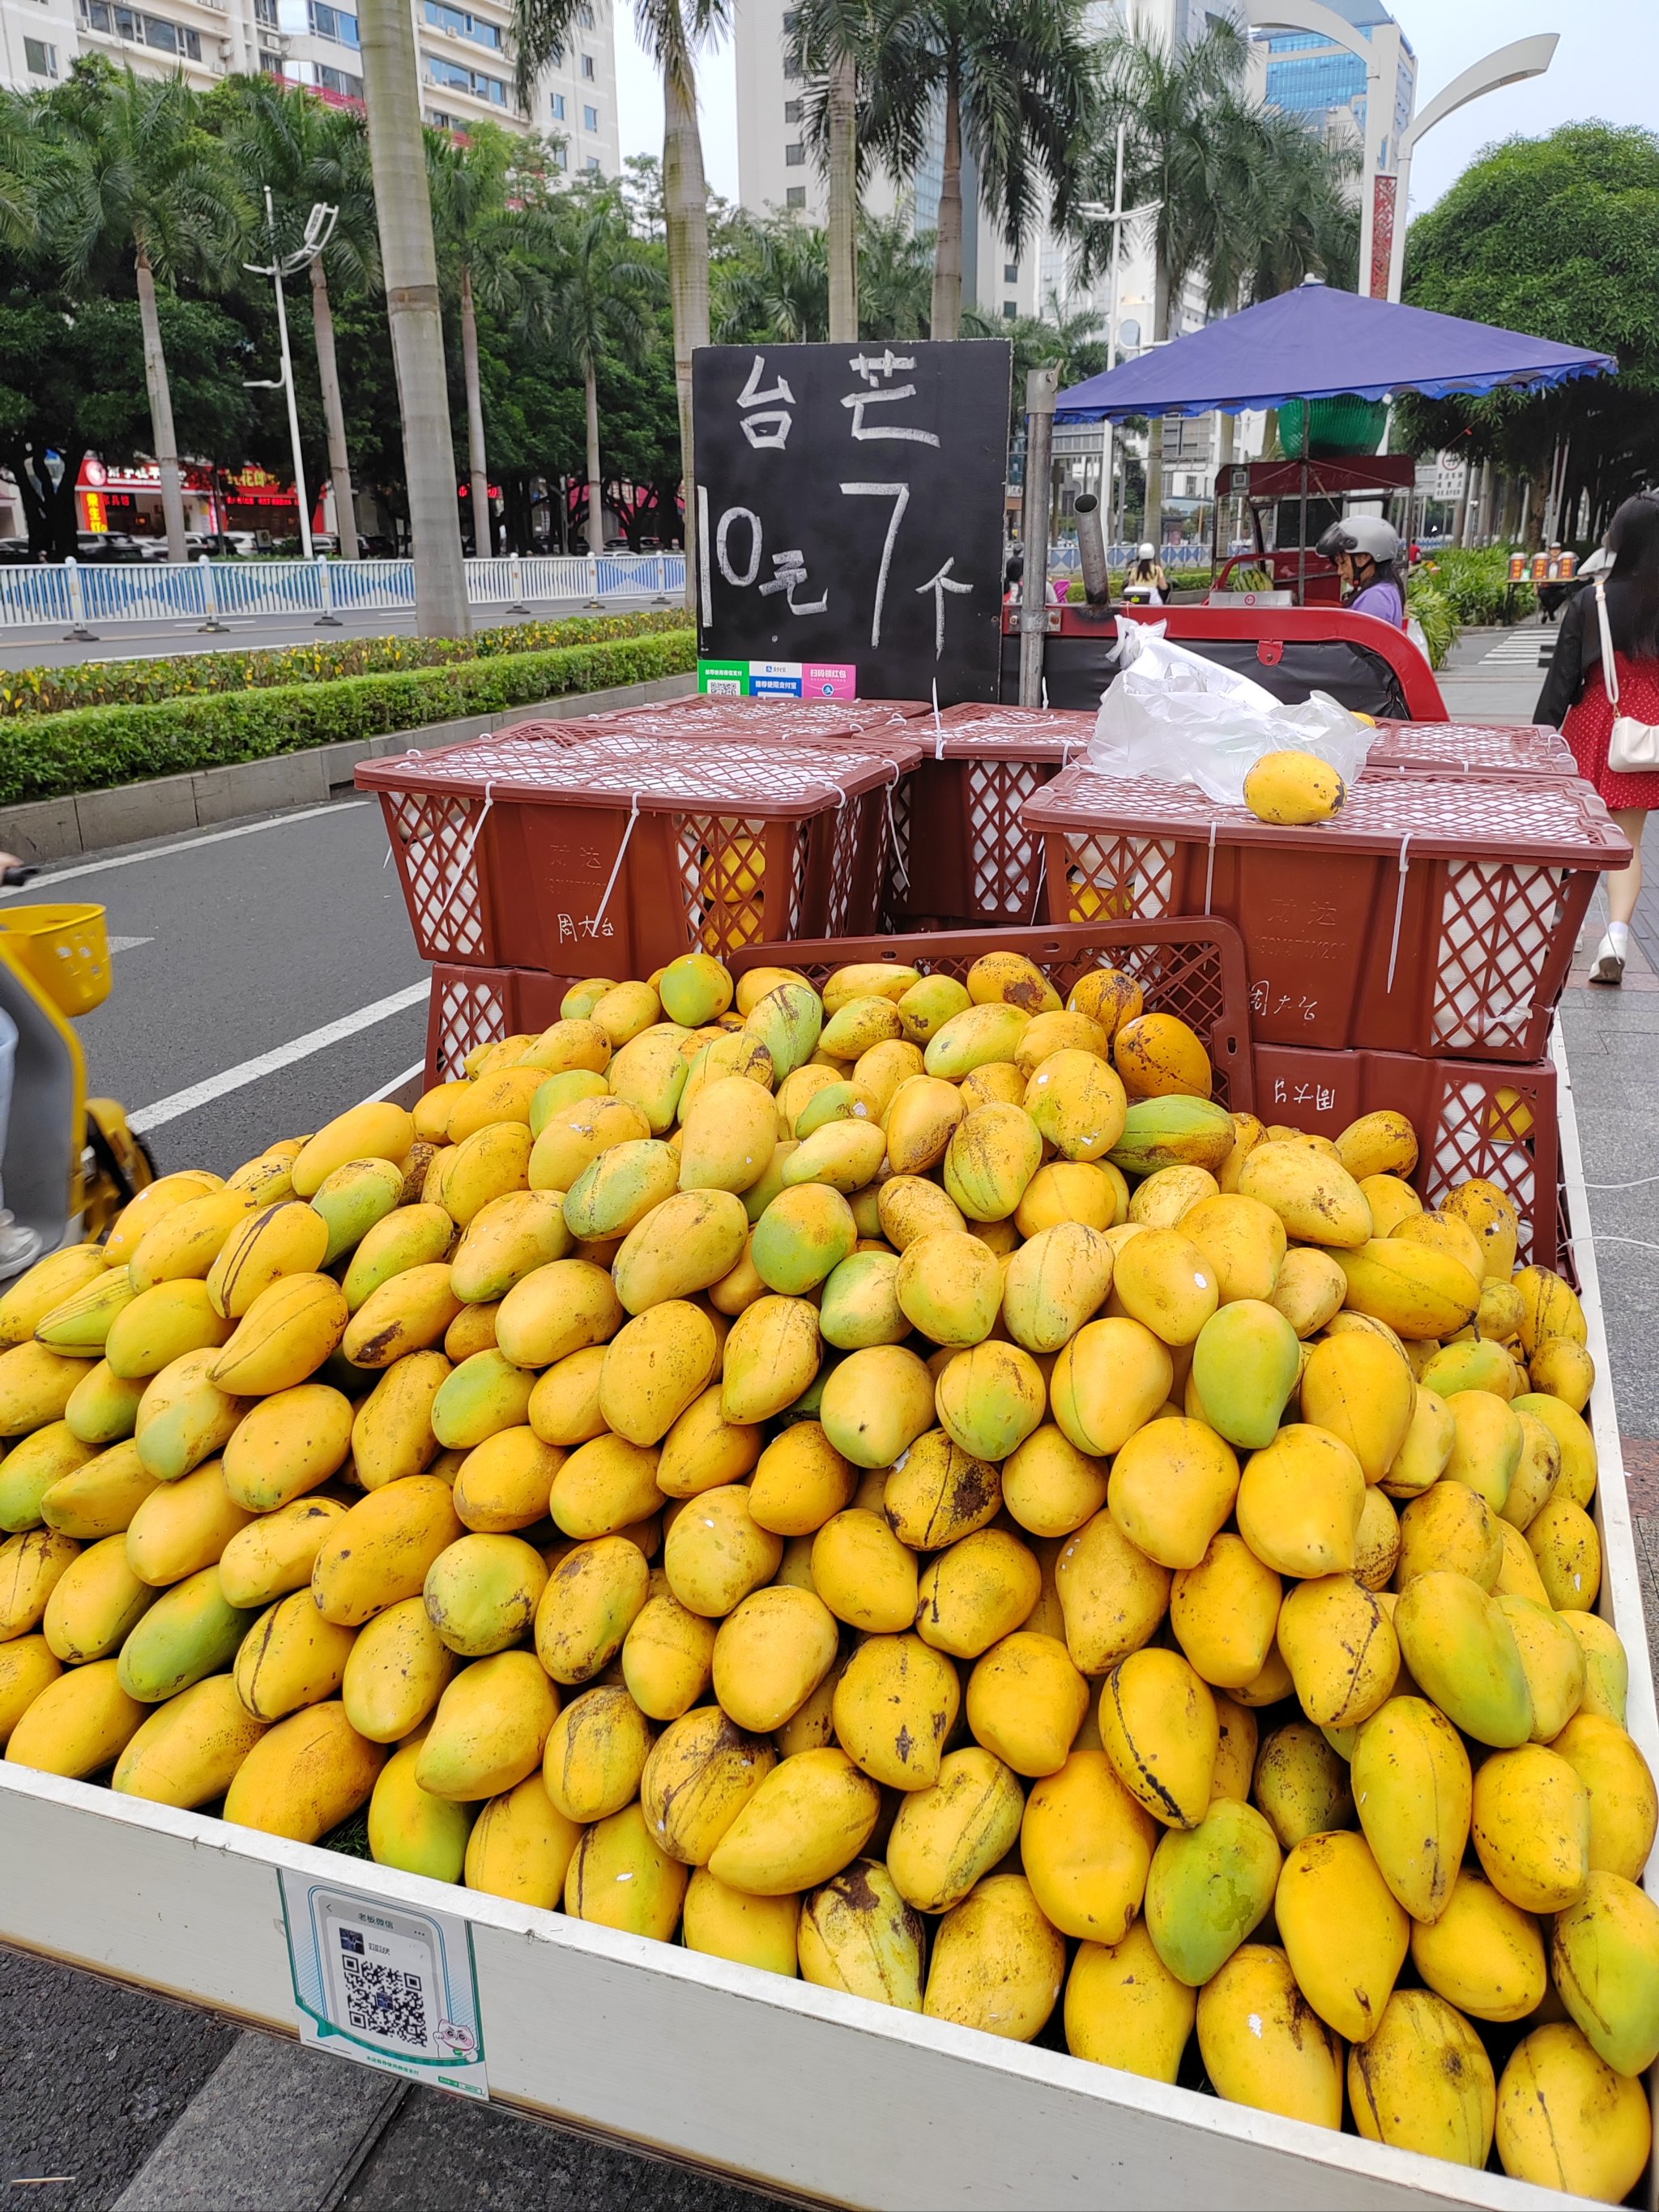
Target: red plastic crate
(1451, 749)
(1431, 916)
(1498, 1120)
(470, 1006)
(622, 852)
(1192, 966)
(970, 862)
(799, 719)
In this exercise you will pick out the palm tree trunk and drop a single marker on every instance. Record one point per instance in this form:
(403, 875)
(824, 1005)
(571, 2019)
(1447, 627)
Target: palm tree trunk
(398, 152)
(843, 248)
(1153, 528)
(595, 488)
(685, 202)
(161, 412)
(945, 319)
(482, 536)
(328, 375)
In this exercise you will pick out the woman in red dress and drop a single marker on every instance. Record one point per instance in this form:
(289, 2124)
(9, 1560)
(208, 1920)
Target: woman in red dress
(1575, 701)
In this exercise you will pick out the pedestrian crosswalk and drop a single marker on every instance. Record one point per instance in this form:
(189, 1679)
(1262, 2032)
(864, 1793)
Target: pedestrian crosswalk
(1530, 647)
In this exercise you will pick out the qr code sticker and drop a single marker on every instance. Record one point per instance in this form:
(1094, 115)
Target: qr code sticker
(385, 2000)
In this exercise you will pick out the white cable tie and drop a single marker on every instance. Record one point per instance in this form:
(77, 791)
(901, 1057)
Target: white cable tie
(633, 817)
(901, 873)
(464, 858)
(1209, 869)
(1398, 909)
(1640, 1183)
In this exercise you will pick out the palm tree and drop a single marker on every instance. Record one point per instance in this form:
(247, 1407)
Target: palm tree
(831, 41)
(670, 31)
(409, 264)
(776, 285)
(1011, 81)
(895, 278)
(597, 308)
(1189, 136)
(473, 223)
(306, 152)
(141, 175)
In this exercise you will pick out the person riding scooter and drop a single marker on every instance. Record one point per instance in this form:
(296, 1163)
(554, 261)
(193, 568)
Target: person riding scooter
(1145, 585)
(1365, 549)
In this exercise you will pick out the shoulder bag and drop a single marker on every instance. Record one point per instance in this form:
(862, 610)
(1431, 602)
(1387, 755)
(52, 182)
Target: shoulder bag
(1633, 748)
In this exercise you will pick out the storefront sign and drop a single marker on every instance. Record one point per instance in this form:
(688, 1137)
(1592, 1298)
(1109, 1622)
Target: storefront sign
(849, 506)
(387, 1984)
(778, 679)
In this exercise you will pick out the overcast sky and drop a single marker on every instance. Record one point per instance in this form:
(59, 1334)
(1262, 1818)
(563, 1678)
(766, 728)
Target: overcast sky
(1607, 66)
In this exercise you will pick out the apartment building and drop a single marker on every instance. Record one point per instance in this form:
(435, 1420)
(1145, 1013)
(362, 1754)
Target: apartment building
(465, 57)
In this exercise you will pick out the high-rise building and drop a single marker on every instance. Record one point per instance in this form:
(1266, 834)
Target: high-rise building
(1327, 84)
(464, 47)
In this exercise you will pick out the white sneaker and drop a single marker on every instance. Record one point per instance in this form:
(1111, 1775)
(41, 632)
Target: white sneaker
(20, 1247)
(1608, 966)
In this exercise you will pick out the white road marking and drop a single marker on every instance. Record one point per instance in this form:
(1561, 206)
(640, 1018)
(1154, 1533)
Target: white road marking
(181, 1103)
(129, 944)
(183, 845)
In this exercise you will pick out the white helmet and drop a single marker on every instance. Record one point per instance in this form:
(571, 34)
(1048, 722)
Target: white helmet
(1361, 533)
(1148, 552)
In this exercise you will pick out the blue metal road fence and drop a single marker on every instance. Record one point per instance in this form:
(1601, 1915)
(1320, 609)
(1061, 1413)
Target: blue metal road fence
(85, 594)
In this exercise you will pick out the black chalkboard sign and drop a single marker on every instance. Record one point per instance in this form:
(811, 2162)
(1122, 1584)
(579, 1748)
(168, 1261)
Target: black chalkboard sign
(849, 526)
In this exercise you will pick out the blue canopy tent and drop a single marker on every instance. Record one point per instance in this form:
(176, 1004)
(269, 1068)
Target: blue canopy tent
(1318, 343)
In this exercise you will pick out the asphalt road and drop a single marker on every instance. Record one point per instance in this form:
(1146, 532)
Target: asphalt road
(232, 945)
(44, 645)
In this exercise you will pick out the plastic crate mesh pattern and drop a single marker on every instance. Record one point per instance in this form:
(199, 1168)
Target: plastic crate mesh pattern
(465, 1014)
(1498, 927)
(723, 879)
(1487, 1130)
(860, 838)
(1123, 877)
(1006, 860)
(437, 837)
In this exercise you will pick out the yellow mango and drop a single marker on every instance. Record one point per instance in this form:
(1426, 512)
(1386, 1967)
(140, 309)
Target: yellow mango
(1049, 1486)
(184, 1526)
(1412, 1789)
(35, 1384)
(997, 1963)
(1562, 1538)
(668, 1658)
(379, 1552)
(1172, 1488)
(305, 1775)
(101, 1409)
(1111, 1595)
(895, 1706)
(27, 1665)
(771, 1652)
(378, 1131)
(1158, 1726)
(1223, 1610)
(1125, 2009)
(94, 1603)
(1344, 1932)
(1419, 1290)
(589, 1604)
(975, 1592)
(1605, 1959)
(1576, 1480)
(946, 1838)
(1606, 1669)
(1108, 1380)
(30, 1297)
(1461, 1650)
(770, 1359)
(1356, 1387)
(864, 1574)
(1301, 1784)
(396, 1669)
(856, 1934)
(481, 1593)
(1621, 1788)
(520, 1848)
(187, 1238)
(1340, 1648)
(80, 1324)
(291, 1658)
(1449, 1528)
(1299, 1502)
(1566, 2121)
(489, 1728)
(724, 1923)
(1315, 1198)
(32, 1467)
(99, 1497)
(392, 1428)
(1262, 2044)
(77, 1725)
(805, 1821)
(1423, 2082)
(287, 1444)
(189, 1750)
(1483, 1954)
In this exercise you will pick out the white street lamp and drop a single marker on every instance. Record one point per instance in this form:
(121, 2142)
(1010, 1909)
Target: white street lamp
(320, 228)
(1387, 176)
(1117, 215)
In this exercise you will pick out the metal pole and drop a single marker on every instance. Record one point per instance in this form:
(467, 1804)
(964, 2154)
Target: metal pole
(1041, 386)
(1106, 486)
(287, 385)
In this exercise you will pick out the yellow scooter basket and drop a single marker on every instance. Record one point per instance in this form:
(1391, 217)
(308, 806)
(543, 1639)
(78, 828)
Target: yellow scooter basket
(64, 948)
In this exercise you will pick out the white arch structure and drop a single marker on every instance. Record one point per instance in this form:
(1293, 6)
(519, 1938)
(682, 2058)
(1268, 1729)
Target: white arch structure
(1386, 181)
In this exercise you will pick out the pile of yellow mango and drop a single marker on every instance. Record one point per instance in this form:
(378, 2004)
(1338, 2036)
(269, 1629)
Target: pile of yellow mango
(896, 1485)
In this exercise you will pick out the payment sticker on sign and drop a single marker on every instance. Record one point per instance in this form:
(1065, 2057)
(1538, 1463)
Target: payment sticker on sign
(387, 1984)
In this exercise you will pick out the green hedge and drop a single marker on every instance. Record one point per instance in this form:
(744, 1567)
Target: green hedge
(96, 748)
(1475, 584)
(143, 682)
(1425, 599)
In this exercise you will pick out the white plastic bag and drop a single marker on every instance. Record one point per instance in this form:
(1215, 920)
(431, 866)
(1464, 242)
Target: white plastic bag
(1174, 717)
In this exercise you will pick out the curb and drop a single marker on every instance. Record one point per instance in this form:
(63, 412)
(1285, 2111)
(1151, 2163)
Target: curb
(91, 821)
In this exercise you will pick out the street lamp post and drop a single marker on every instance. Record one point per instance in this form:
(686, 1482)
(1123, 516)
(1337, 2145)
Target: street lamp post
(1386, 185)
(320, 228)
(1117, 215)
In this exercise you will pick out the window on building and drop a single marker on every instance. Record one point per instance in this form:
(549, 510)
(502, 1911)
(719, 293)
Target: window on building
(791, 111)
(587, 66)
(334, 23)
(340, 82)
(558, 107)
(592, 165)
(1011, 272)
(264, 11)
(561, 159)
(585, 16)
(556, 53)
(461, 79)
(464, 24)
(440, 118)
(794, 154)
(142, 30)
(271, 62)
(40, 58)
(590, 118)
(795, 196)
(1010, 309)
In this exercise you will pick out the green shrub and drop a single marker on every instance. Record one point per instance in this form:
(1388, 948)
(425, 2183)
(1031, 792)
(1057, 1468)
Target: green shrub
(190, 675)
(1475, 584)
(95, 748)
(1425, 599)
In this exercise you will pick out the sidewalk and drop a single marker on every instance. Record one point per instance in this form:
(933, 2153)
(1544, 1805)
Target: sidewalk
(1496, 675)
